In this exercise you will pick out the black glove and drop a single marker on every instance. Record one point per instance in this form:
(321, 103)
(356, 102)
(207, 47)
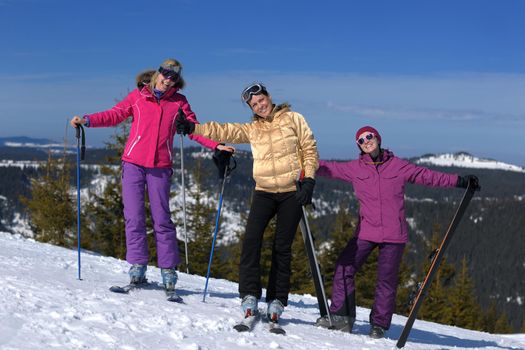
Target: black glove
(306, 191)
(464, 180)
(222, 161)
(184, 126)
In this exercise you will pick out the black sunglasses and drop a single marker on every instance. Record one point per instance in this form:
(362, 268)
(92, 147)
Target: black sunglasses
(172, 73)
(251, 90)
(368, 137)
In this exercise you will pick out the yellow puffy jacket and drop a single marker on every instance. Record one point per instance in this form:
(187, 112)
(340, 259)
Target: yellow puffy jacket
(281, 146)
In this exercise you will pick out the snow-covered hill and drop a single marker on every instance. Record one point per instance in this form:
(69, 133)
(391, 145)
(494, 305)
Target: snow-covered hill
(465, 160)
(45, 306)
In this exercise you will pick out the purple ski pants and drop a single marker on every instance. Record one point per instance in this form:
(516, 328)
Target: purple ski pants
(157, 181)
(348, 264)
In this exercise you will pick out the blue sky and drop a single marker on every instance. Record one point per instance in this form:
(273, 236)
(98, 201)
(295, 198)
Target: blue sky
(432, 76)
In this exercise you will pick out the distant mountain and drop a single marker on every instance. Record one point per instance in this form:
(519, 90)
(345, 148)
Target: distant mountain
(24, 141)
(465, 160)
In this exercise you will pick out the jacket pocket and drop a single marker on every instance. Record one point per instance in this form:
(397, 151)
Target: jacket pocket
(133, 145)
(362, 177)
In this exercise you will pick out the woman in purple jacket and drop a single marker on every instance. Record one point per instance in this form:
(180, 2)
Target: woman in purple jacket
(379, 179)
(147, 165)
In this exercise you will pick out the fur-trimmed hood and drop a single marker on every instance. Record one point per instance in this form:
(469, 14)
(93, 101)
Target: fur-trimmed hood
(144, 78)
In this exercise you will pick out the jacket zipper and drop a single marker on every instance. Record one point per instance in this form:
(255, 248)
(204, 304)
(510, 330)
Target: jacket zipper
(168, 141)
(133, 145)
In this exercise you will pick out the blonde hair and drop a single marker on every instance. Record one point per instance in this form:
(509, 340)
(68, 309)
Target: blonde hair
(169, 62)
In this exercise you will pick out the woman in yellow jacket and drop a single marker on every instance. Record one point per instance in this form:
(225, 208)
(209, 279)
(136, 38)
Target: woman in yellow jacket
(282, 145)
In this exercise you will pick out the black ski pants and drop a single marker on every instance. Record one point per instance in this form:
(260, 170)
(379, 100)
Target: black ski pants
(265, 206)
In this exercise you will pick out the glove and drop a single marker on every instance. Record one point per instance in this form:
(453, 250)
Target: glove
(183, 125)
(306, 191)
(222, 161)
(464, 180)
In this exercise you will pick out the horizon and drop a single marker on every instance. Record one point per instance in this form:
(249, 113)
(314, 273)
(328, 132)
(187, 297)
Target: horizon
(431, 77)
(30, 142)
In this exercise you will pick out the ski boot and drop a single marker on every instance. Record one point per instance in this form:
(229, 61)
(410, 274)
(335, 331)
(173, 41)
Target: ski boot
(169, 279)
(376, 332)
(137, 274)
(274, 312)
(340, 323)
(250, 314)
(249, 306)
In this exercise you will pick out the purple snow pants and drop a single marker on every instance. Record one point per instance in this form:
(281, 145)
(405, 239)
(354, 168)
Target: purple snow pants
(135, 180)
(348, 264)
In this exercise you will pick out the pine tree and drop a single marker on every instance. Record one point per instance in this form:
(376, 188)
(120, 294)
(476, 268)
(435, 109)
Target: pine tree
(502, 325)
(232, 253)
(490, 317)
(301, 278)
(465, 311)
(405, 285)
(200, 225)
(343, 232)
(494, 321)
(436, 307)
(51, 207)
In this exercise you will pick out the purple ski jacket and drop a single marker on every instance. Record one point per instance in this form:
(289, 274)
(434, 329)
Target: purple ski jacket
(380, 189)
(150, 140)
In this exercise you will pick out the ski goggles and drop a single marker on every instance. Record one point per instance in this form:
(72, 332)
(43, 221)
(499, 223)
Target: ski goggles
(251, 90)
(170, 72)
(367, 137)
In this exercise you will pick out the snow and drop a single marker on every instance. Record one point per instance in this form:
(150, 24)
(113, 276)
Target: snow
(45, 306)
(465, 160)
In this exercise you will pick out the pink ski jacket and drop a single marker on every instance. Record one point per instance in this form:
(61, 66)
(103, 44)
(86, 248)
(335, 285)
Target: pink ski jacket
(380, 189)
(150, 140)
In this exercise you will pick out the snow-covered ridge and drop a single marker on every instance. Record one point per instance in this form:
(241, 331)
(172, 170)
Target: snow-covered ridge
(34, 145)
(465, 160)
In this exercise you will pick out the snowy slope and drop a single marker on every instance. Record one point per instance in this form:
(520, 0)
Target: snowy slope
(465, 160)
(44, 306)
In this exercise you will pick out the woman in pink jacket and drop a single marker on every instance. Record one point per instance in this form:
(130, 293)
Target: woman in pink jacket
(378, 178)
(147, 164)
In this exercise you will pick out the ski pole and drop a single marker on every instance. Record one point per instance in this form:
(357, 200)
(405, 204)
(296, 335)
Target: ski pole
(308, 238)
(81, 150)
(184, 201)
(226, 177)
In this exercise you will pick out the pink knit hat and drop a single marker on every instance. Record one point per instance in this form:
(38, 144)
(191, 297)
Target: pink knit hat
(369, 129)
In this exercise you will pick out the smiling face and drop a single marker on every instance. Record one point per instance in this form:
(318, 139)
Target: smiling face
(162, 83)
(370, 144)
(261, 105)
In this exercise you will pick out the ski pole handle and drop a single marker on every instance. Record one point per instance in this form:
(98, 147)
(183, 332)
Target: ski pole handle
(79, 130)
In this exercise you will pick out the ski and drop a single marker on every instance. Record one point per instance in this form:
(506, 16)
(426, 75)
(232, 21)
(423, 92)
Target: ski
(312, 259)
(171, 296)
(128, 287)
(434, 266)
(247, 323)
(174, 297)
(276, 328)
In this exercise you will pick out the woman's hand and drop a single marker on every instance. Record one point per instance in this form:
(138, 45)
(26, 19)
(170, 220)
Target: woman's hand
(77, 120)
(226, 148)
